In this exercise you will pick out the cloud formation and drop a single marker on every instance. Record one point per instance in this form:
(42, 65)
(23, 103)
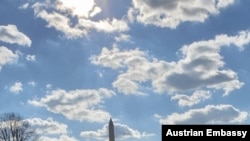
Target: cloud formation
(61, 138)
(211, 114)
(170, 13)
(50, 129)
(48, 126)
(32, 83)
(121, 132)
(133, 60)
(30, 57)
(200, 66)
(7, 56)
(195, 98)
(74, 18)
(16, 88)
(67, 103)
(122, 37)
(24, 6)
(10, 34)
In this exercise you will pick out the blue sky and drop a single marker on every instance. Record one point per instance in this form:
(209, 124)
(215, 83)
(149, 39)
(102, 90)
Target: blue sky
(67, 66)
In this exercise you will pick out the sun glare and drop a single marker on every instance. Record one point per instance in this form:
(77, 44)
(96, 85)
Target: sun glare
(79, 7)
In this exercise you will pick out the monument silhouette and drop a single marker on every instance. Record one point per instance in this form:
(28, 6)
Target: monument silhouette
(111, 131)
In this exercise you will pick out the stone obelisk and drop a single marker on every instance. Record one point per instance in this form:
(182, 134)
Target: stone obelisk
(111, 131)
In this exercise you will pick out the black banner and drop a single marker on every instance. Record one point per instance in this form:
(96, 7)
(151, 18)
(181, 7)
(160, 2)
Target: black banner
(198, 132)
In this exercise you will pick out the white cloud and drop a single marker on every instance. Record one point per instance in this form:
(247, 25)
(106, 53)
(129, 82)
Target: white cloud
(228, 87)
(74, 18)
(32, 83)
(240, 40)
(122, 37)
(195, 98)
(16, 88)
(61, 23)
(95, 11)
(10, 34)
(211, 114)
(136, 63)
(224, 3)
(61, 138)
(7, 56)
(121, 132)
(50, 129)
(107, 25)
(48, 126)
(127, 86)
(200, 66)
(31, 57)
(115, 58)
(49, 86)
(68, 103)
(24, 6)
(170, 13)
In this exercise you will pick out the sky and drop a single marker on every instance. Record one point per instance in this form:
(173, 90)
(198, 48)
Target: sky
(68, 66)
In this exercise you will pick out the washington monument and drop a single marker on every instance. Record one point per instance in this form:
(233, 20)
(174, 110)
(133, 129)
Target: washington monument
(111, 131)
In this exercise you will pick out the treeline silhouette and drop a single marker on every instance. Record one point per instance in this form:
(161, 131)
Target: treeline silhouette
(13, 127)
